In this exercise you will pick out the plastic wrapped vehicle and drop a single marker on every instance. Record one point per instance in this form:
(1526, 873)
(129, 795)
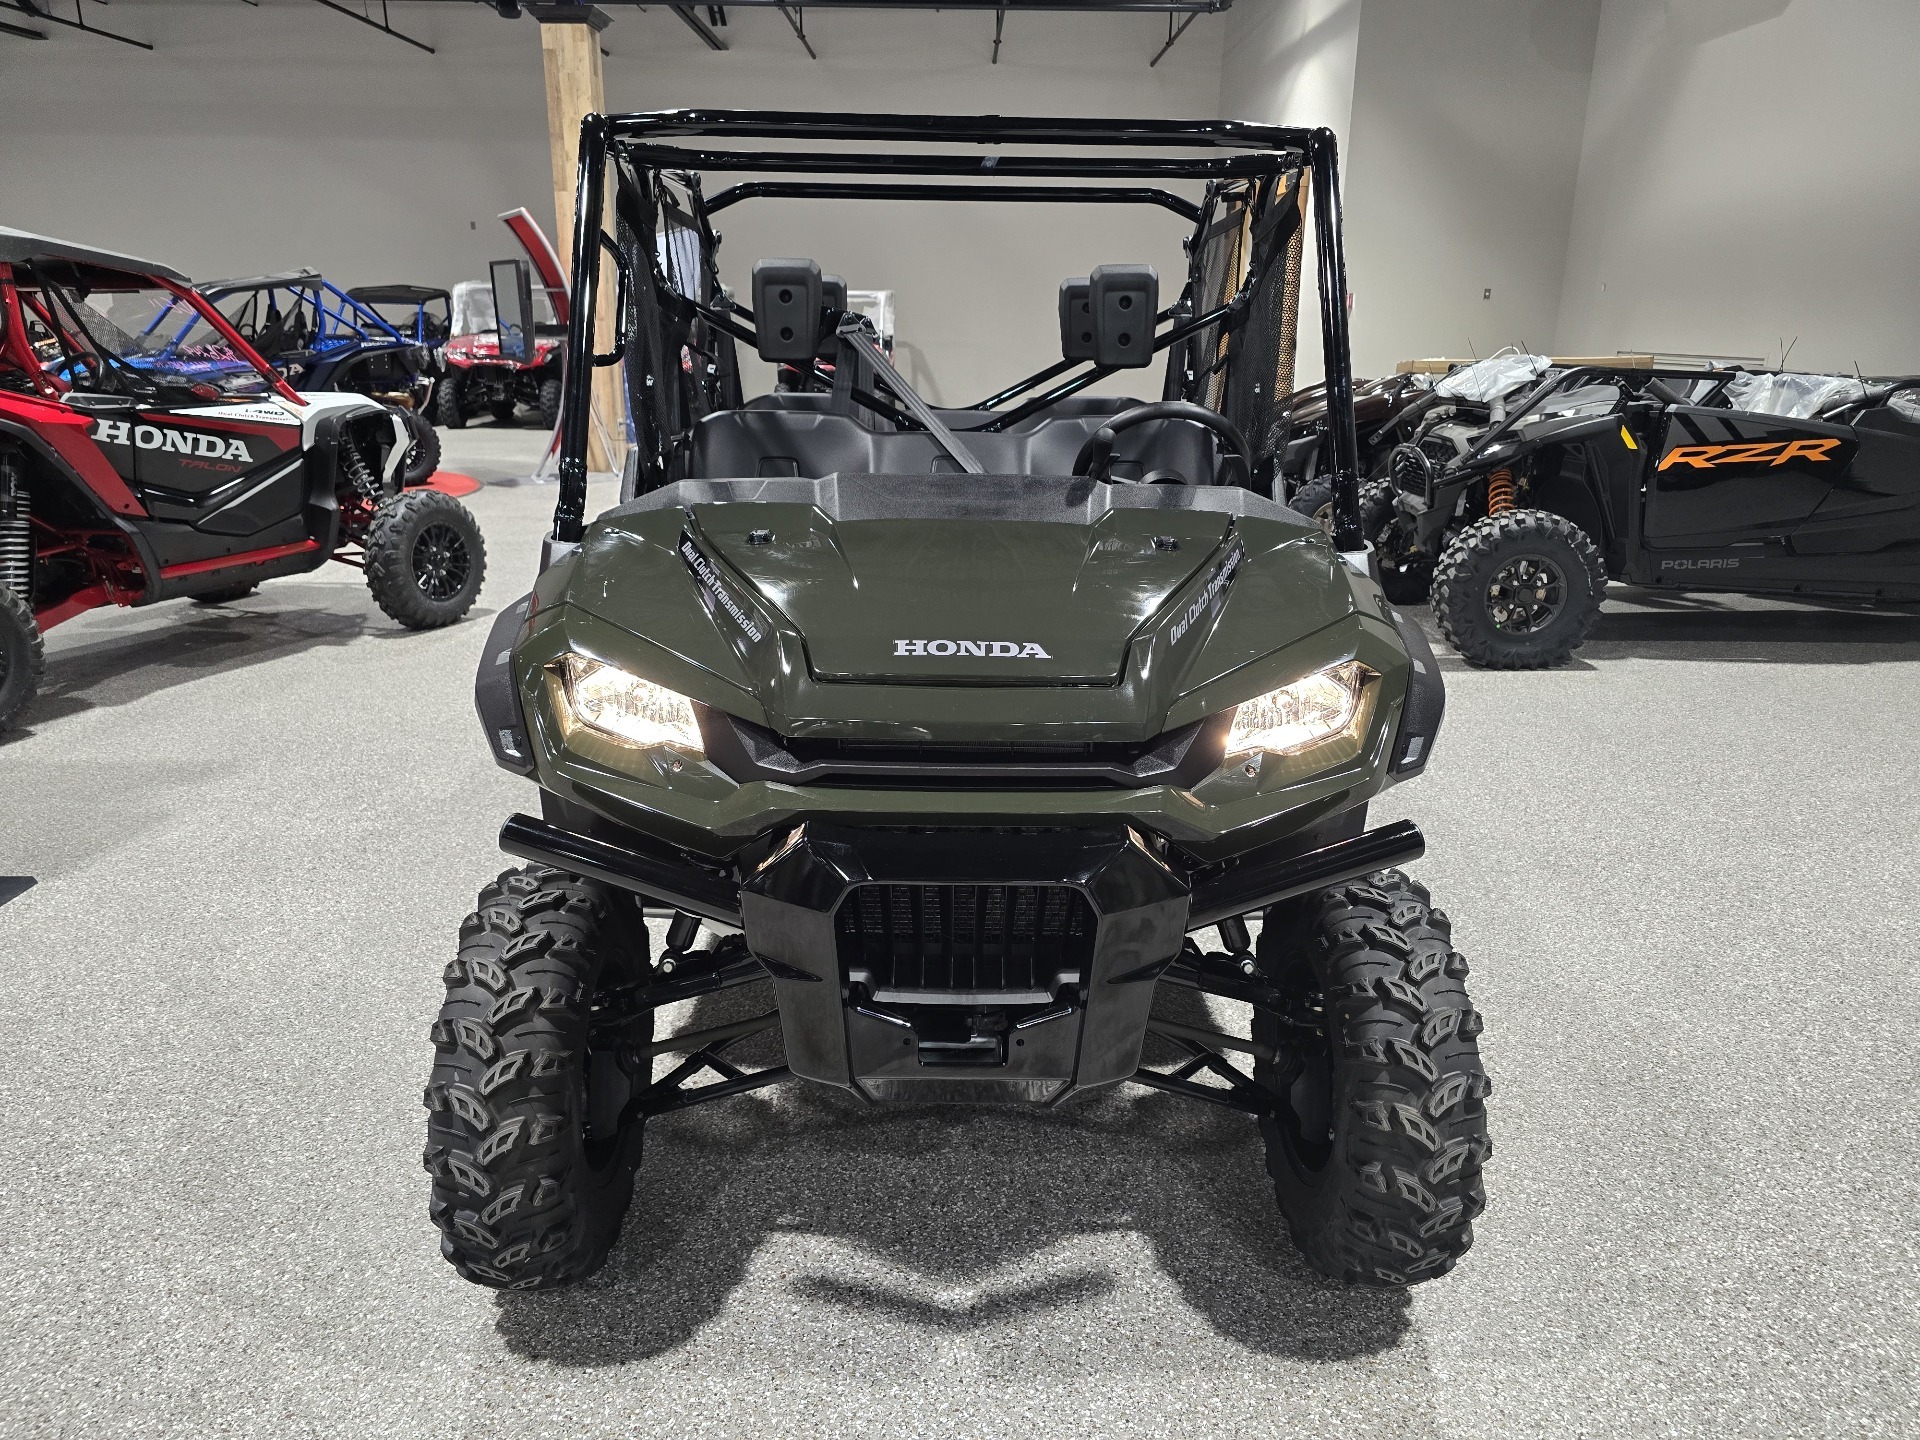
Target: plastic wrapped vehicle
(1518, 512)
(962, 730)
(148, 452)
(479, 380)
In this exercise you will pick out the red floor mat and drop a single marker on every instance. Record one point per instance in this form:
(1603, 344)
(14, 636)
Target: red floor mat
(452, 482)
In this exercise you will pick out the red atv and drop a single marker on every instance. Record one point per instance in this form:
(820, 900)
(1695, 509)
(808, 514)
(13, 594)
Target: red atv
(480, 381)
(147, 452)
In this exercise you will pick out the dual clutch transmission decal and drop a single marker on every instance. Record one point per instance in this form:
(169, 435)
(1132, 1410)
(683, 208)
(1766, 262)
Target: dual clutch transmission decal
(714, 590)
(1213, 595)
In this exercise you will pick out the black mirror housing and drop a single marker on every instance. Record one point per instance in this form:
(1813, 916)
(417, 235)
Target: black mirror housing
(787, 296)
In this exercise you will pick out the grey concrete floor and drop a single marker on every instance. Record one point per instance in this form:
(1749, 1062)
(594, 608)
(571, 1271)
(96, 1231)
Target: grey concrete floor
(1683, 869)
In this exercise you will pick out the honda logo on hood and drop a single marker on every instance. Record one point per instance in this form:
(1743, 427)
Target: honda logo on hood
(985, 649)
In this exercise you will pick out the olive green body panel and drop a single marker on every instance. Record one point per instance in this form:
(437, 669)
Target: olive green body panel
(797, 628)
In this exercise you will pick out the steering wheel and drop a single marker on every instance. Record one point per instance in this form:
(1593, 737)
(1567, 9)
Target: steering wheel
(1095, 459)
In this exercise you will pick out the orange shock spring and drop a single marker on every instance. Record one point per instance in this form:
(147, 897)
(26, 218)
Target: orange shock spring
(1499, 491)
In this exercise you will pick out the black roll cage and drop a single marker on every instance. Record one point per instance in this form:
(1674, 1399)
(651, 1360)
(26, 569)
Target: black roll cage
(1259, 151)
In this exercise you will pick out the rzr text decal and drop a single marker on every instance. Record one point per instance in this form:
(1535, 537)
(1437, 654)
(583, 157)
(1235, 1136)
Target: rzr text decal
(1771, 452)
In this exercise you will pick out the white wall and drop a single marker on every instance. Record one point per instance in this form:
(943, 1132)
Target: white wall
(976, 286)
(1466, 141)
(1291, 62)
(259, 139)
(1749, 174)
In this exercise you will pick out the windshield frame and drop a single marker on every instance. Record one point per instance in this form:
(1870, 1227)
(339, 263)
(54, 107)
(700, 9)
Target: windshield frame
(636, 151)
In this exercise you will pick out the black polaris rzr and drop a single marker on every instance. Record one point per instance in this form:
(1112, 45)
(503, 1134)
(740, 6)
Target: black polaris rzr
(960, 727)
(1527, 488)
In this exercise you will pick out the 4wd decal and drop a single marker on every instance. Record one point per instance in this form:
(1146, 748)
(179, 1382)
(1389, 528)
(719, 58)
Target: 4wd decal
(715, 590)
(1212, 595)
(167, 439)
(1769, 452)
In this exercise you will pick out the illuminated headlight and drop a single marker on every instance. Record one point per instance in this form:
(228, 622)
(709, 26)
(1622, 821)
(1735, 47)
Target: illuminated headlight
(635, 711)
(1301, 715)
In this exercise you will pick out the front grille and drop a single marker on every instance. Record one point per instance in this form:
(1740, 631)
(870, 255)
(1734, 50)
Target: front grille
(964, 944)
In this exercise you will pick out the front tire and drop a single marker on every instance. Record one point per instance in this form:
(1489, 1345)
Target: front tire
(423, 450)
(531, 1153)
(446, 402)
(1379, 1132)
(1519, 590)
(425, 559)
(550, 401)
(23, 656)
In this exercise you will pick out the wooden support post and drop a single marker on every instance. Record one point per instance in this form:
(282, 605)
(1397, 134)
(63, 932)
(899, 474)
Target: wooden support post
(571, 52)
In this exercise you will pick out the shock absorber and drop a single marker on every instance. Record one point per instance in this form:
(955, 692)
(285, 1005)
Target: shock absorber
(16, 528)
(1499, 491)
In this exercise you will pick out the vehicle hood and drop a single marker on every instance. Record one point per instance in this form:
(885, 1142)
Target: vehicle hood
(822, 602)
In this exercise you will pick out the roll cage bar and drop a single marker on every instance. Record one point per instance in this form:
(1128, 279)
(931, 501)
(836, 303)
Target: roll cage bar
(642, 149)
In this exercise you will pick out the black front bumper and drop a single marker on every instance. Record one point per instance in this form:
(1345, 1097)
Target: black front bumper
(965, 1028)
(966, 965)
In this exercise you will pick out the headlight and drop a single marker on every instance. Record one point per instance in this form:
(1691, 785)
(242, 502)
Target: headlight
(629, 709)
(1298, 716)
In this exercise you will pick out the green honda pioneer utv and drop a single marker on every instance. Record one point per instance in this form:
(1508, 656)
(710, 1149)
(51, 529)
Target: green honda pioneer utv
(959, 726)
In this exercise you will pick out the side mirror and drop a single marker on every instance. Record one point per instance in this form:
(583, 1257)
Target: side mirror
(513, 308)
(1076, 319)
(787, 296)
(1123, 300)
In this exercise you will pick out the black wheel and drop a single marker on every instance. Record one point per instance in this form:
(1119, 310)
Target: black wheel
(425, 559)
(1518, 590)
(226, 593)
(529, 1144)
(1315, 501)
(423, 450)
(23, 656)
(446, 402)
(550, 401)
(501, 410)
(1379, 1134)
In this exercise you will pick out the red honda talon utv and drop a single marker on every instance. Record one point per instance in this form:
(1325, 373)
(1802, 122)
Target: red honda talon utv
(147, 452)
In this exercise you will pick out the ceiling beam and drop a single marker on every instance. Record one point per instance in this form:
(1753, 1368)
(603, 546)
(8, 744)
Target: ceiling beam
(381, 24)
(699, 27)
(79, 22)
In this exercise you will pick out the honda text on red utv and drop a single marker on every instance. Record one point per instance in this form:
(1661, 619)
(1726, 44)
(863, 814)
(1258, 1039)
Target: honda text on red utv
(962, 728)
(147, 452)
(1526, 488)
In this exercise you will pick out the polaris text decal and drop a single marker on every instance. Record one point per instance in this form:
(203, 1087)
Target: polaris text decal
(985, 649)
(709, 581)
(1771, 452)
(167, 440)
(1212, 595)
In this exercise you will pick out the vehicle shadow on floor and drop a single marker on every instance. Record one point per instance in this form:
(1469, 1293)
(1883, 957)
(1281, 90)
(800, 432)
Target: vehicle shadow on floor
(958, 1217)
(200, 642)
